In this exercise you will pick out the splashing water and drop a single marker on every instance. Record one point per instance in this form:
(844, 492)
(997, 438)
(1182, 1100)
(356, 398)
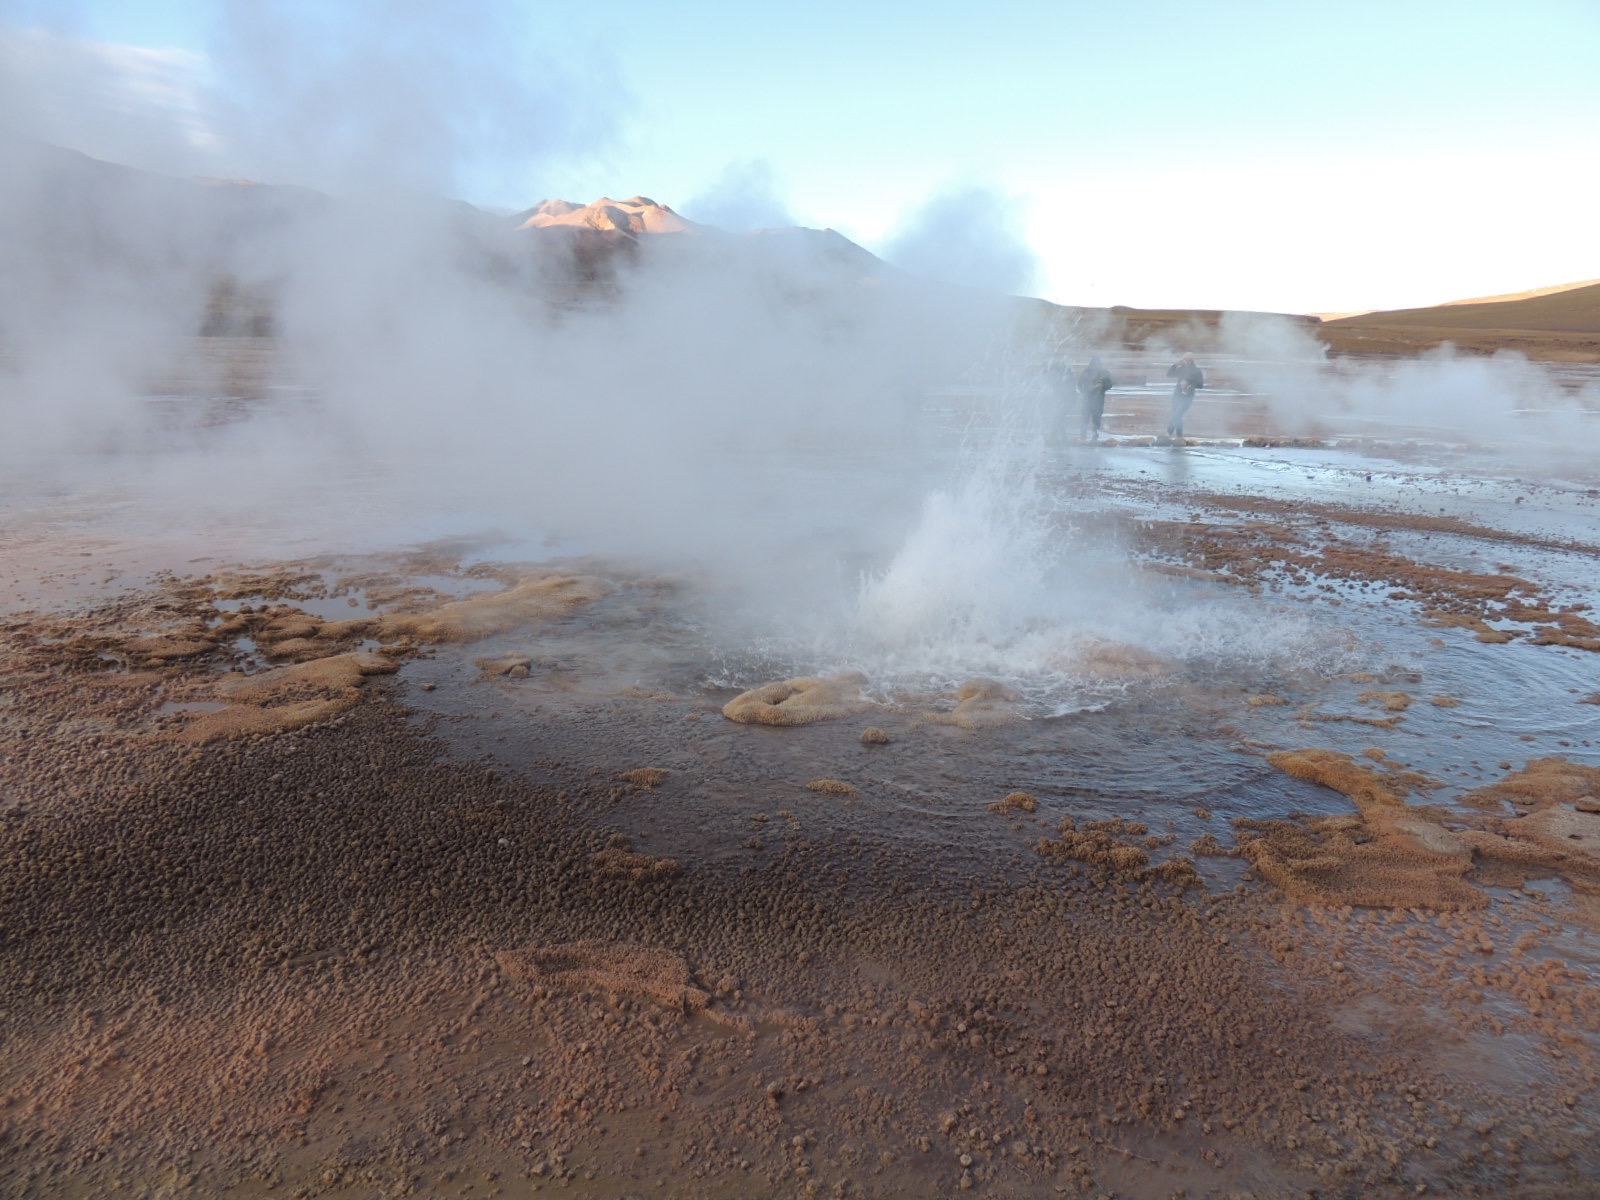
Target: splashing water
(995, 580)
(977, 582)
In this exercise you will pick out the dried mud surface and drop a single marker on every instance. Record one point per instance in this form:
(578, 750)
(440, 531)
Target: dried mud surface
(263, 932)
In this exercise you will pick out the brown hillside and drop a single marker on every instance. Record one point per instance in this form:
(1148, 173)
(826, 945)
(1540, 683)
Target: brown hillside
(1559, 326)
(1574, 311)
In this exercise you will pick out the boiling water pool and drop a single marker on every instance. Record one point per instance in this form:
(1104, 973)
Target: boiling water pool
(1147, 692)
(973, 544)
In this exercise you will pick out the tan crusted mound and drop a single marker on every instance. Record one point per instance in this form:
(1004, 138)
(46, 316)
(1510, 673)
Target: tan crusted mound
(288, 697)
(1563, 831)
(832, 787)
(166, 649)
(1390, 855)
(873, 736)
(1097, 843)
(292, 626)
(619, 860)
(1114, 660)
(1015, 802)
(1393, 856)
(644, 776)
(1390, 701)
(641, 972)
(1340, 772)
(247, 720)
(800, 701)
(299, 650)
(1544, 781)
(983, 704)
(321, 676)
(287, 634)
(532, 600)
(509, 666)
(1335, 861)
(1207, 846)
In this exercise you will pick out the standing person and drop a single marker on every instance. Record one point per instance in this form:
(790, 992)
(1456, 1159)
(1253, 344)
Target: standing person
(1093, 383)
(1190, 380)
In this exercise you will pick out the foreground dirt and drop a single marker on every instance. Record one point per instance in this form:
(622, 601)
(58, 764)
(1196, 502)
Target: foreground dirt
(309, 952)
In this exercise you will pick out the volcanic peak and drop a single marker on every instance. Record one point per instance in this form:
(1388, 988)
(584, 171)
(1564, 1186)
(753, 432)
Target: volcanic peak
(634, 216)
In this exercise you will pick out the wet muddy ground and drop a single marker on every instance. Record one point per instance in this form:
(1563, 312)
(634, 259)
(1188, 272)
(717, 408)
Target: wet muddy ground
(363, 865)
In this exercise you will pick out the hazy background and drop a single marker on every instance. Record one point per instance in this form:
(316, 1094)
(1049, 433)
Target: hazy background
(857, 457)
(1243, 154)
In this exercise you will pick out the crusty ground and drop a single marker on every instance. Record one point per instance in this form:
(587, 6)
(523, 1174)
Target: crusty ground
(1278, 543)
(328, 957)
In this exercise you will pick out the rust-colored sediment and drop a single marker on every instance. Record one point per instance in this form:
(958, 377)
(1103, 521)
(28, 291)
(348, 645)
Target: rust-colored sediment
(544, 595)
(1390, 854)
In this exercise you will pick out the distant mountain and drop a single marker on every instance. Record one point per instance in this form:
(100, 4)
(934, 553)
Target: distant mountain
(1573, 308)
(76, 207)
(76, 233)
(630, 217)
(627, 225)
(75, 230)
(1527, 295)
(1553, 323)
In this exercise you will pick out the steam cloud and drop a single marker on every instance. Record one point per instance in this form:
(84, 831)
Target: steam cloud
(745, 197)
(733, 401)
(968, 236)
(424, 94)
(122, 103)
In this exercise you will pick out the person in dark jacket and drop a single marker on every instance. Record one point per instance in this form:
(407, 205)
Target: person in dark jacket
(1093, 383)
(1190, 380)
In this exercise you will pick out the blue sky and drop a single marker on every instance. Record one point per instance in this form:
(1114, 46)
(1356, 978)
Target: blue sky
(1274, 156)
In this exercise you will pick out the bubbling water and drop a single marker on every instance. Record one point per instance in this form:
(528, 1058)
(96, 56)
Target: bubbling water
(997, 579)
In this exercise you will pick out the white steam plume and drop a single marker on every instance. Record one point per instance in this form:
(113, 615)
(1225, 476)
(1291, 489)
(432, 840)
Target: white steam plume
(132, 104)
(745, 196)
(419, 94)
(966, 235)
